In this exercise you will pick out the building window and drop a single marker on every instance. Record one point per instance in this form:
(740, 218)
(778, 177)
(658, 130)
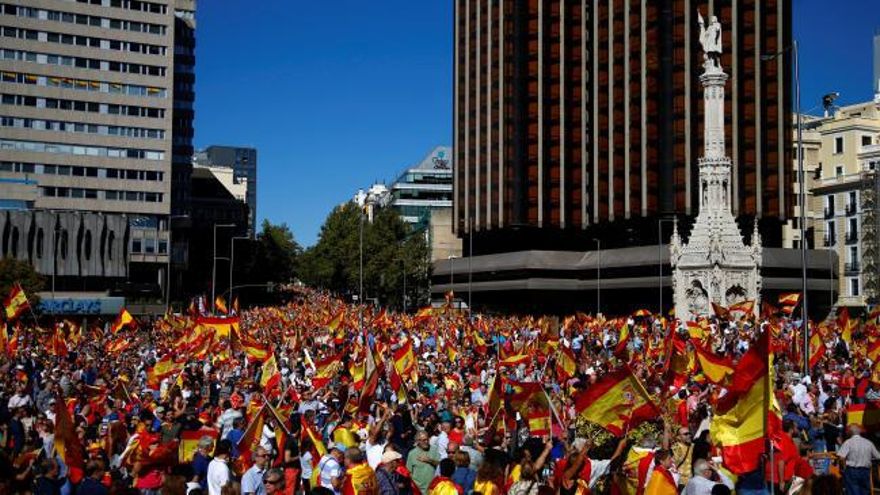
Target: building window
(854, 286)
(866, 140)
(135, 245)
(830, 234)
(838, 145)
(838, 171)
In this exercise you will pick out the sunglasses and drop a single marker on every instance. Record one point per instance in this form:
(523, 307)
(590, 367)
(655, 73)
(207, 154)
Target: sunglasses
(272, 482)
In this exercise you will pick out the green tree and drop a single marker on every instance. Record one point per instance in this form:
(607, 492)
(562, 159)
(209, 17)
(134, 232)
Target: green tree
(273, 257)
(13, 271)
(392, 250)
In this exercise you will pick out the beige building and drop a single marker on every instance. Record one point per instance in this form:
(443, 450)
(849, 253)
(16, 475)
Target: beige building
(87, 111)
(841, 151)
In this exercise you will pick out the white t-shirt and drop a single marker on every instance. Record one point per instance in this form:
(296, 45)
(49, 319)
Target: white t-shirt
(329, 469)
(218, 475)
(374, 454)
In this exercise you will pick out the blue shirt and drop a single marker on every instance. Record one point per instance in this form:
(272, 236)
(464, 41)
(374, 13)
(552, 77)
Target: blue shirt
(464, 477)
(252, 481)
(200, 468)
(234, 436)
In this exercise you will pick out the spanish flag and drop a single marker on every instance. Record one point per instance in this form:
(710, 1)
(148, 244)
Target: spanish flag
(696, 330)
(789, 299)
(566, 364)
(817, 348)
(715, 368)
(515, 360)
(617, 402)
(661, 483)
(253, 350)
(220, 305)
(405, 361)
(67, 443)
(15, 303)
(622, 340)
(334, 322)
(738, 426)
(866, 415)
(326, 370)
(744, 307)
(189, 442)
(846, 326)
(720, 311)
(539, 422)
(270, 375)
(124, 319)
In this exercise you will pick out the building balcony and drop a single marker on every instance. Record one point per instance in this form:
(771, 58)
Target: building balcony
(852, 237)
(829, 212)
(852, 267)
(851, 209)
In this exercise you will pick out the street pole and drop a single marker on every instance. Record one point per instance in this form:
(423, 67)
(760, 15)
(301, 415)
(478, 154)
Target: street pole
(470, 258)
(800, 148)
(451, 259)
(403, 262)
(805, 318)
(232, 260)
(214, 265)
(598, 276)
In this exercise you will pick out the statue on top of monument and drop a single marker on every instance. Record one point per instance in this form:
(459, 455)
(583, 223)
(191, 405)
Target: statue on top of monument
(710, 39)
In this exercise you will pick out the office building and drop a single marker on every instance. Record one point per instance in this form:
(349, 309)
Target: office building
(96, 117)
(844, 191)
(577, 128)
(569, 118)
(243, 162)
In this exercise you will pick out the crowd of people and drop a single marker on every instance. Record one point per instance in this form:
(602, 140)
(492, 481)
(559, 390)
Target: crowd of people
(323, 397)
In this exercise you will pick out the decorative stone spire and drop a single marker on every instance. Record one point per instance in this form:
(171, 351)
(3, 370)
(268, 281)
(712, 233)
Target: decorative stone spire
(715, 265)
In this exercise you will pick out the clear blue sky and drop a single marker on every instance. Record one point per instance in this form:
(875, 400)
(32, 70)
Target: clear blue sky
(336, 95)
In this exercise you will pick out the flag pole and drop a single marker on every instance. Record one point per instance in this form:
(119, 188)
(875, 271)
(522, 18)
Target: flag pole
(769, 444)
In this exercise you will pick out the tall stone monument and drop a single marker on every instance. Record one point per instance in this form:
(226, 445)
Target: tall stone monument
(714, 265)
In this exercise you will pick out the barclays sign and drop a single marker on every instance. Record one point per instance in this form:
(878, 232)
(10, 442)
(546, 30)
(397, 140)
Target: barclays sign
(86, 306)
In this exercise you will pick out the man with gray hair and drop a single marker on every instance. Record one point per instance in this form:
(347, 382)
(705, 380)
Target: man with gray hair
(858, 453)
(702, 483)
(252, 480)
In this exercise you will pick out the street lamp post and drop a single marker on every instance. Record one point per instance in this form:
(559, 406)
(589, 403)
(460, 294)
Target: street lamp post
(452, 259)
(598, 277)
(470, 270)
(232, 259)
(802, 207)
(214, 264)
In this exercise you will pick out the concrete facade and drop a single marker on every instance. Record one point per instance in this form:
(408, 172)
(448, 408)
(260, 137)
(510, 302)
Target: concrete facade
(242, 161)
(88, 105)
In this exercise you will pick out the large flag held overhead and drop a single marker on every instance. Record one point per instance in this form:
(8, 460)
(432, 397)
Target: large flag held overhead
(270, 375)
(566, 364)
(739, 424)
(15, 303)
(405, 362)
(617, 402)
(817, 348)
(325, 370)
(220, 305)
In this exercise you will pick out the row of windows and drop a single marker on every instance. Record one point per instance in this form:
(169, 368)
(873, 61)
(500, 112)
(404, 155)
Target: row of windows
(83, 62)
(82, 106)
(85, 193)
(79, 40)
(82, 19)
(138, 5)
(83, 84)
(78, 171)
(80, 127)
(74, 149)
(148, 246)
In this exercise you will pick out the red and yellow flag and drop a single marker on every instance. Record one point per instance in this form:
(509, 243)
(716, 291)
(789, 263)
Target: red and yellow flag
(67, 443)
(124, 319)
(405, 361)
(539, 422)
(270, 376)
(220, 305)
(817, 348)
(739, 425)
(661, 483)
(325, 370)
(617, 402)
(866, 415)
(566, 364)
(715, 368)
(15, 303)
(253, 350)
(189, 442)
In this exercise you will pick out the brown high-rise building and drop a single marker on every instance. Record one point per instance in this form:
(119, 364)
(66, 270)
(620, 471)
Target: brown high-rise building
(578, 125)
(581, 119)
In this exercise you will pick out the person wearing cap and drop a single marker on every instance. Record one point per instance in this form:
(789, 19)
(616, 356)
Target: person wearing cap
(386, 472)
(200, 461)
(858, 453)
